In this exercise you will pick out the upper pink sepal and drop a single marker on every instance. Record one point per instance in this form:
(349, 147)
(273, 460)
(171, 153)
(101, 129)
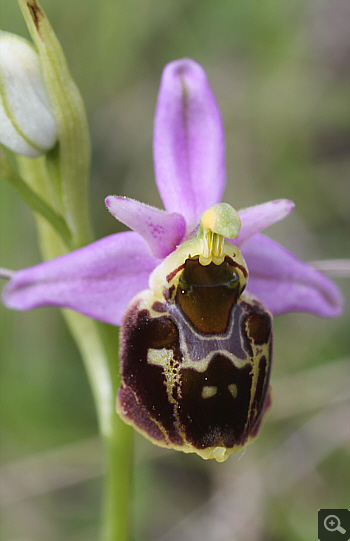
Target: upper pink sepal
(189, 142)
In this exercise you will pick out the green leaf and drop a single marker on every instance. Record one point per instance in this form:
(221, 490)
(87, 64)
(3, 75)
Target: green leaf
(32, 199)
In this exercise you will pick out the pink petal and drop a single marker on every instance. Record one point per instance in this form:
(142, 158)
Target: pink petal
(98, 280)
(283, 283)
(255, 219)
(162, 231)
(189, 143)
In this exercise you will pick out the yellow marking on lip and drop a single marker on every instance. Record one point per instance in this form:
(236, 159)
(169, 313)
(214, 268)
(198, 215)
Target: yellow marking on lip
(160, 357)
(209, 390)
(233, 389)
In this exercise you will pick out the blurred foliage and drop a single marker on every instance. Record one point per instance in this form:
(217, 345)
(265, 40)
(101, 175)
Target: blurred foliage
(280, 72)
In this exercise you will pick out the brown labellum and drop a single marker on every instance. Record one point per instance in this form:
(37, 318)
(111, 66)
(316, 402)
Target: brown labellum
(196, 357)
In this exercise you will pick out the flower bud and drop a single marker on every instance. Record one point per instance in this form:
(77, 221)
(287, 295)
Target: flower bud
(27, 125)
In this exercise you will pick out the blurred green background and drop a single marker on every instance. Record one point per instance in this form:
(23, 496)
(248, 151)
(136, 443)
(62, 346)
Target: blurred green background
(280, 72)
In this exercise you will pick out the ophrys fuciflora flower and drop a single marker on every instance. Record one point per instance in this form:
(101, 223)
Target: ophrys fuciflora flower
(197, 285)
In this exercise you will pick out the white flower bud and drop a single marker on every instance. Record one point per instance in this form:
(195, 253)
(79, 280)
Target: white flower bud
(27, 125)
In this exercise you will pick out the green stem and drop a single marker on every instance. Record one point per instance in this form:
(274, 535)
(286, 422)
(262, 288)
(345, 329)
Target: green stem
(118, 446)
(98, 345)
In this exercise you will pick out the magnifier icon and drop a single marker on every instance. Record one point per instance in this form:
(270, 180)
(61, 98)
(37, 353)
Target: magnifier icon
(332, 524)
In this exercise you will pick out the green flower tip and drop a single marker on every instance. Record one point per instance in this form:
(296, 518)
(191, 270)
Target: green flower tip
(221, 219)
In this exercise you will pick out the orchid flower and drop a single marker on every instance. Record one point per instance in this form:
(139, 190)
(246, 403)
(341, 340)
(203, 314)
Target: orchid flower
(104, 280)
(100, 280)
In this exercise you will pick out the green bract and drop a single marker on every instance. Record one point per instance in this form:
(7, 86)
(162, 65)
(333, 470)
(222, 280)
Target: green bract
(73, 161)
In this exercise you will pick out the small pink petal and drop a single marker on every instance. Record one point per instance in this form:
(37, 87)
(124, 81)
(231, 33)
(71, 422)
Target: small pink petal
(189, 142)
(98, 280)
(162, 231)
(255, 219)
